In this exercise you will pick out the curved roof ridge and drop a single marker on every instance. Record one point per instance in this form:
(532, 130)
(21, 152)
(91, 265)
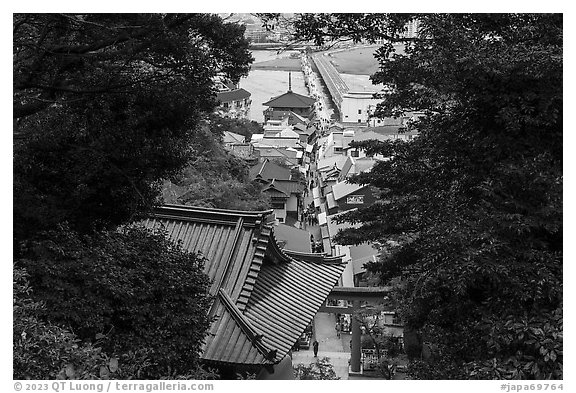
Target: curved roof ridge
(174, 208)
(279, 253)
(321, 257)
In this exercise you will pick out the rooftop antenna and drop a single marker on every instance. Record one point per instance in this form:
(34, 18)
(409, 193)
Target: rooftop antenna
(289, 82)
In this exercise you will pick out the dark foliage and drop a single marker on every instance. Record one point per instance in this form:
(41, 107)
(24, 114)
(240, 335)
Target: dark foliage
(470, 212)
(133, 291)
(215, 178)
(219, 124)
(322, 369)
(106, 106)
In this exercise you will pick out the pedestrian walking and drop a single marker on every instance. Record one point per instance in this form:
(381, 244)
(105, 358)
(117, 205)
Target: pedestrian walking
(315, 346)
(338, 329)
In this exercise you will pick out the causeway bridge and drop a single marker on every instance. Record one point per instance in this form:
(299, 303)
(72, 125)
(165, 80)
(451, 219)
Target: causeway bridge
(332, 79)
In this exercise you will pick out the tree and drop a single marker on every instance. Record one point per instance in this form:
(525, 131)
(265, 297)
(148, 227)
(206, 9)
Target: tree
(386, 346)
(470, 212)
(219, 124)
(107, 106)
(138, 295)
(215, 178)
(42, 350)
(322, 369)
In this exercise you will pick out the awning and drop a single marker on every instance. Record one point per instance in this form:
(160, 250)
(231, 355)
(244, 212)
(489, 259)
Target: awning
(327, 245)
(317, 202)
(316, 192)
(331, 201)
(325, 232)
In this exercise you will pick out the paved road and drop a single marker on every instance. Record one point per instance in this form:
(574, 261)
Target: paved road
(331, 77)
(338, 359)
(330, 345)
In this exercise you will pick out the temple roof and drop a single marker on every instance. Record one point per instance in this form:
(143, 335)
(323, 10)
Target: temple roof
(264, 298)
(290, 100)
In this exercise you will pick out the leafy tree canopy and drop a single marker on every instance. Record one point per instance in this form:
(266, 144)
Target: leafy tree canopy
(322, 369)
(219, 124)
(132, 291)
(108, 105)
(214, 177)
(470, 212)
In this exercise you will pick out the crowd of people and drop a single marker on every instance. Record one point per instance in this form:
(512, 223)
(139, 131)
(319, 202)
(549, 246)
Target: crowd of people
(309, 217)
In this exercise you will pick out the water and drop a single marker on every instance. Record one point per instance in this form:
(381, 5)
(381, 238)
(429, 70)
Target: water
(265, 84)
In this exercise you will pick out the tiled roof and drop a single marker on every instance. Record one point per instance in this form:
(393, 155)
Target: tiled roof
(291, 187)
(290, 100)
(276, 305)
(330, 162)
(268, 170)
(264, 298)
(275, 190)
(233, 95)
(293, 118)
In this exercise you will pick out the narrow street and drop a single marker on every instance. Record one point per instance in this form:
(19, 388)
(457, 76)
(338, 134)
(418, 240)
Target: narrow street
(330, 345)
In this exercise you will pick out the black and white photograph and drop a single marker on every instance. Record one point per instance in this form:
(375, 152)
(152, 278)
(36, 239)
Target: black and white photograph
(224, 196)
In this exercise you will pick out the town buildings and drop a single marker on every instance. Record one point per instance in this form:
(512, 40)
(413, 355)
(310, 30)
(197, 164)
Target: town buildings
(285, 190)
(303, 156)
(264, 298)
(290, 101)
(234, 102)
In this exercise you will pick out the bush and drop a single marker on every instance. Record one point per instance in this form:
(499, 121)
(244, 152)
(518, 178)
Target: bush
(132, 291)
(45, 351)
(322, 369)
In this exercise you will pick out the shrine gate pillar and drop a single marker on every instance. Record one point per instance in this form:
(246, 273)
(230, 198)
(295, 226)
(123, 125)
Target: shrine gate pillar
(356, 341)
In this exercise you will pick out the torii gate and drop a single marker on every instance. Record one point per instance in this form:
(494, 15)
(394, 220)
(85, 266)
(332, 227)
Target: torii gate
(356, 295)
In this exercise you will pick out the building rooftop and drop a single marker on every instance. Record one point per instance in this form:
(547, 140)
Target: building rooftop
(231, 137)
(268, 170)
(290, 100)
(289, 186)
(263, 298)
(275, 190)
(342, 189)
(291, 117)
(331, 162)
(232, 95)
